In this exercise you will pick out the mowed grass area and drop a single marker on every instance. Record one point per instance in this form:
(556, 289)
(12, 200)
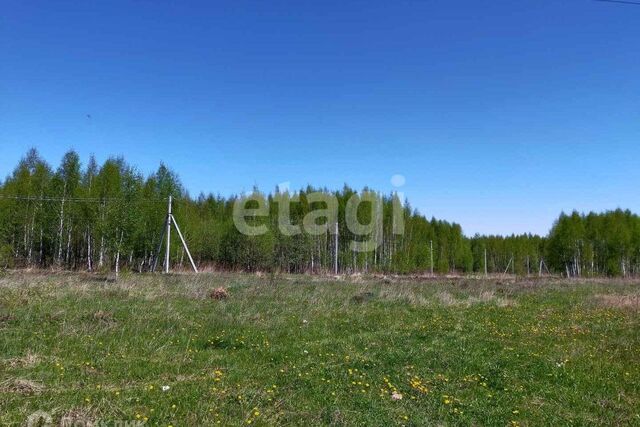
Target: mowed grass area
(303, 350)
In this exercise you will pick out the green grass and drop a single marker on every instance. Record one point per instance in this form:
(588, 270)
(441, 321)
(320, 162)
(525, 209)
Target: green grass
(297, 350)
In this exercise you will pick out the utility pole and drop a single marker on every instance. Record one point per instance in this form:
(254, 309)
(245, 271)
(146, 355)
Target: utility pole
(542, 263)
(335, 255)
(431, 254)
(167, 254)
(485, 262)
(508, 265)
(184, 243)
(167, 230)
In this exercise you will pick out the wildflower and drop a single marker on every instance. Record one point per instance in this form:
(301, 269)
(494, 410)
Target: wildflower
(165, 388)
(396, 396)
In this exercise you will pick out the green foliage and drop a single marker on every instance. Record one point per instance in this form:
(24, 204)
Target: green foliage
(6, 257)
(96, 216)
(596, 244)
(519, 254)
(249, 253)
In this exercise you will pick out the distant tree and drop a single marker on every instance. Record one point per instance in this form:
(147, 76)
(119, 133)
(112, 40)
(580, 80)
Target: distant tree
(110, 217)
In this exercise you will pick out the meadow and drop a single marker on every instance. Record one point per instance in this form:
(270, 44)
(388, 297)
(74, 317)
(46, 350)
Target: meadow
(169, 350)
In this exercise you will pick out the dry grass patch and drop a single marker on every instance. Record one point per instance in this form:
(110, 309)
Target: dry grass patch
(399, 293)
(29, 360)
(219, 293)
(619, 301)
(362, 297)
(78, 417)
(485, 297)
(104, 316)
(6, 318)
(490, 297)
(21, 386)
(446, 299)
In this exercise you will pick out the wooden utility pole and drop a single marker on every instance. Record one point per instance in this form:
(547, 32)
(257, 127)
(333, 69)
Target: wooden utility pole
(167, 230)
(542, 263)
(431, 254)
(485, 262)
(167, 255)
(184, 244)
(508, 265)
(335, 255)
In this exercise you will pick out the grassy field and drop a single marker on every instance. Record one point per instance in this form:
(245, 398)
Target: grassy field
(298, 350)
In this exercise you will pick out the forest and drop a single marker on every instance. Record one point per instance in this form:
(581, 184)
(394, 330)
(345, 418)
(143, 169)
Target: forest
(109, 217)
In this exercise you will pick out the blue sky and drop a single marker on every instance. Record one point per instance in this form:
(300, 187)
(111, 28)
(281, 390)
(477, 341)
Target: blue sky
(499, 114)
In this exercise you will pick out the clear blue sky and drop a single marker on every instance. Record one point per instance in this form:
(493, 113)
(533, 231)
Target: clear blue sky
(500, 114)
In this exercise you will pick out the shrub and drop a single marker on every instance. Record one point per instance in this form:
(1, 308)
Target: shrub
(6, 257)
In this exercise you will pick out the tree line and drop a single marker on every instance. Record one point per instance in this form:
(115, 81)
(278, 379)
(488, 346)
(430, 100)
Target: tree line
(110, 216)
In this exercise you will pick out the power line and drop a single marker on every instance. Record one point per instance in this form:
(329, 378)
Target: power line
(621, 1)
(79, 199)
